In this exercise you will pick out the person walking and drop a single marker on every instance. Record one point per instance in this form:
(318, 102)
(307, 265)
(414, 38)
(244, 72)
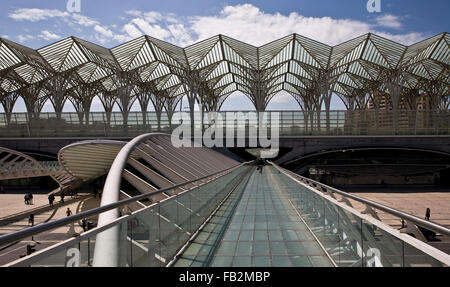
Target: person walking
(30, 198)
(84, 224)
(428, 214)
(31, 219)
(62, 195)
(26, 199)
(68, 212)
(260, 164)
(51, 199)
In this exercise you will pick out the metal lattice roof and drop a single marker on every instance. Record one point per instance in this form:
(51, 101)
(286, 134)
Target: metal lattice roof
(222, 65)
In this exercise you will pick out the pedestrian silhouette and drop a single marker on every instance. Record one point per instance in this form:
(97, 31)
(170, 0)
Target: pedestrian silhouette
(428, 214)
(31, 219)
(51, 199)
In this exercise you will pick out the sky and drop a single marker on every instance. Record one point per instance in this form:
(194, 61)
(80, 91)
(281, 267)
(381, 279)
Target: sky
(181, 22)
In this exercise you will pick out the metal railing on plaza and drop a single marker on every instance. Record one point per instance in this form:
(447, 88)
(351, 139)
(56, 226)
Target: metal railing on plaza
(291, 123)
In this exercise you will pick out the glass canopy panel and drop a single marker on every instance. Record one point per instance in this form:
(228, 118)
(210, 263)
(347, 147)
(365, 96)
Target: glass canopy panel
(160, 71)
(391, 51)
(357, 69)
(30, 74)
(442, 51)
(353, 55)
(247, 52)
(372, 55)
(319, 51)
(290, 78)
(143, 57)
(9, 86)
(268, 51)
(339, 90)
(172, 81)
(302, 55)
(225, 80)
(125, 53)
(147, 71)
(7, 57)
(279, 71)
(232, 56)
(419, 51)
(283, 56)
(290, 89)
(228, 90)
(419, 70)
(214, 55)
(195, 53)
(168, 53)
(97, 54)
(109, 84)
(341, 50)
(298, 70)
(219, 71)
(63, 55)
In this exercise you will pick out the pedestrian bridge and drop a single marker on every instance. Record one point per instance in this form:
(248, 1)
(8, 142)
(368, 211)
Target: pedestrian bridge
(196, 207)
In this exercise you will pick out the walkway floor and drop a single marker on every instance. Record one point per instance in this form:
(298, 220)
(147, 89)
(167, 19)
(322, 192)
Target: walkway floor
(256, 227)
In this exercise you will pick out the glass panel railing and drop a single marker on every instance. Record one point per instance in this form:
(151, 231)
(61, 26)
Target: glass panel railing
(151, 236)
(290, 123)
(352, 240)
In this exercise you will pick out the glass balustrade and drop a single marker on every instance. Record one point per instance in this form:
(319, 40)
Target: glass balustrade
(289, 123)
(350, 239)
(151, 236)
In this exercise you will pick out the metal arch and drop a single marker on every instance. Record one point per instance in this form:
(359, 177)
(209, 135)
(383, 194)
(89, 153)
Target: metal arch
(15, 164)
(365, 149)
(165, 166)
(98, 153)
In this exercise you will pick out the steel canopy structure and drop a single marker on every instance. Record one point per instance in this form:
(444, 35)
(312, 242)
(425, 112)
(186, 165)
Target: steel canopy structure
(362, 70)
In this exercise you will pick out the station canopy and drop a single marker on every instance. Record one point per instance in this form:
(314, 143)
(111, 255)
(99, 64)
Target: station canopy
(220, 65)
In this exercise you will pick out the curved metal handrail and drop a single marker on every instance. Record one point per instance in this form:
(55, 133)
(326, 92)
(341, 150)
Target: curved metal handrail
(403, 215)
(106, 252)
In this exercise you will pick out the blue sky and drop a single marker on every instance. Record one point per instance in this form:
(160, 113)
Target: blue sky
(109, 23)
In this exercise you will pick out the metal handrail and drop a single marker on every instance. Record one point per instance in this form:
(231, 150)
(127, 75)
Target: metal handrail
(403, 215)
(19, 235)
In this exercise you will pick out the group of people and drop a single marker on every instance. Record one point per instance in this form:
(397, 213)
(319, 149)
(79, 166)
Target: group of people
(28, 198)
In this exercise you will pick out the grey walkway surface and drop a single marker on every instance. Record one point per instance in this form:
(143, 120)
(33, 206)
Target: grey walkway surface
(256, 227)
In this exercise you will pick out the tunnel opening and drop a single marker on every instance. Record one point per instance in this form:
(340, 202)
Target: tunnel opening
(381, 167)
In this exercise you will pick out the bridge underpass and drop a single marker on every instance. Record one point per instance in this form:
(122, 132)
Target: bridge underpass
(294, 213)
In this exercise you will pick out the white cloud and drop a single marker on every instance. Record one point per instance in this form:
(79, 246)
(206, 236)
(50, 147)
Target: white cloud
(389, 21)
(134, 13)
(248, 23)
(131, 31)
(84, 20)
(244, 22)
(49, 36)
(5, 36)
(25, 38)
(35, 14)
